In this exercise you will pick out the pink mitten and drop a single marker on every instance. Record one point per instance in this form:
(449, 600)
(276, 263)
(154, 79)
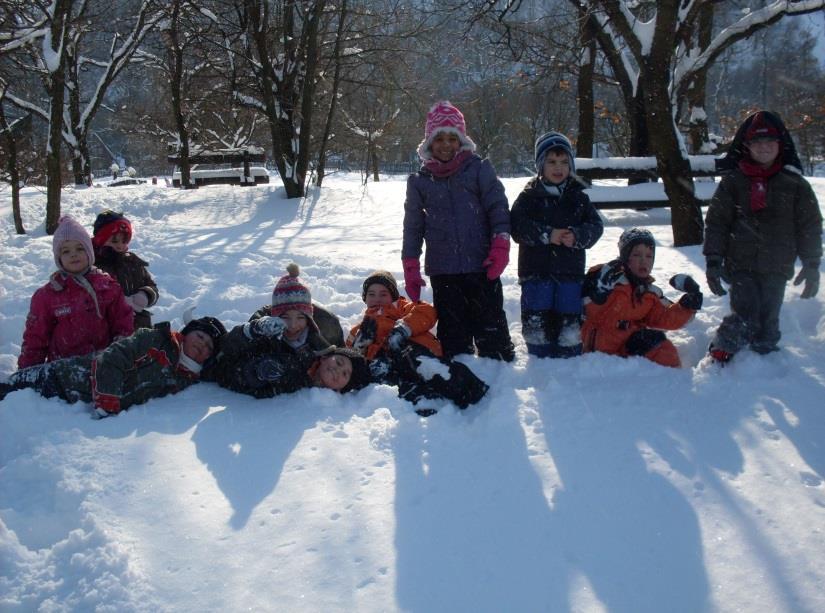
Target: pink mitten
(412, 278)
(498, 257)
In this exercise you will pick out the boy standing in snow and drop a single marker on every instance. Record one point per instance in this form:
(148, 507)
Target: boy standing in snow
(394, 335)
(456, 204)
(763, 216)
(112, 235)
(624, 313)
(149, 364)
(553, 221)
(80, 310)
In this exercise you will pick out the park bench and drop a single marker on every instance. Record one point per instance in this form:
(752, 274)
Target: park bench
(223, 166)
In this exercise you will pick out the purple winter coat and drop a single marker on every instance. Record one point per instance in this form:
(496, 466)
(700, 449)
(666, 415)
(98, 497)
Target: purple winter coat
(456, 216)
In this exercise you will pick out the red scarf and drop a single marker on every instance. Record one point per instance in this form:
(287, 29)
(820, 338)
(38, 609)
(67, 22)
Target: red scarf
(445, 169)
(759, 181)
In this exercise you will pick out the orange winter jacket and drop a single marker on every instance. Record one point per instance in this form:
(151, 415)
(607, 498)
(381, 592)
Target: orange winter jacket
(607, 326)
(419, 317)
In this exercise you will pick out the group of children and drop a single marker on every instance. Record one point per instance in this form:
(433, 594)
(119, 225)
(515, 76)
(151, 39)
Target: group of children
(79, 341)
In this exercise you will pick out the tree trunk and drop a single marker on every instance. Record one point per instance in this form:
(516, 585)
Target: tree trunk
(175, 62)
(587, 120)
(698, 121)
(336, 80)
(14, 173)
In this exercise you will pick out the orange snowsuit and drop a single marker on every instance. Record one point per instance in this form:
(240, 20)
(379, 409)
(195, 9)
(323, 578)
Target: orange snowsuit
(607, 326)
(419, 317)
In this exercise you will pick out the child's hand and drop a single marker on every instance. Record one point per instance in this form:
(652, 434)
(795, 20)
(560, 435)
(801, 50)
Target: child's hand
(397, 339)
(714, 275)
(693, 295)
(366, 334)
(265, 327)
(562, 236)
(412, 278)
(138, 301)
(498, 257)
(607, 279)
(810, 275)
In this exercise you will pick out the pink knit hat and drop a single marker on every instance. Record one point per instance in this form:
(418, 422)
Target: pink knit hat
(69, 230)
(290, 293)
(444, 117)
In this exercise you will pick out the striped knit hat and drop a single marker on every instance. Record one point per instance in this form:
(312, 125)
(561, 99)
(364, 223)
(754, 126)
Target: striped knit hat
(290, 293)
(444, 117)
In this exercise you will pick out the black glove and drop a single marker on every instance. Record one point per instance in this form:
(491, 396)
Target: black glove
(265, 327)
(810, 275)
(693, 296)
(692, 301)
(366, 334)
(397, 338)
(606, 280)
(713, 270)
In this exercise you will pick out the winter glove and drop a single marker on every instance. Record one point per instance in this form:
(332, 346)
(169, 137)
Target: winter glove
(412, 278)
(714, 275)
(810, 275)
(264, 327)
(366, 334)
(498, 257)
(106, 404)
(607, 279)
(693, 296)
(138, 301)
(397, 338)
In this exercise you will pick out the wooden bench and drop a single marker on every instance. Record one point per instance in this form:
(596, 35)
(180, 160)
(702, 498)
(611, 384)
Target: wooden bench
(239, 173)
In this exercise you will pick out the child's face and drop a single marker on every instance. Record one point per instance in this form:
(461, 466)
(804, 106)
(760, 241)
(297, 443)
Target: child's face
(640, 261)
(296, 322)
(73, 257)
(118, 241)
(378, 295)
(445, 145)
(556, 167)
(763, 150)
(198, 345)
(335, 371)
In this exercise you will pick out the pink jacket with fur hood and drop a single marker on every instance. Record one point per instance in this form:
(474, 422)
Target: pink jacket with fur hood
(67, 319)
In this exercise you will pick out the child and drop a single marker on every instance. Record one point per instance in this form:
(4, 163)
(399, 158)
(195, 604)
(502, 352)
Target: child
(763, 216)
(395, 337)
(80, 310)
(307, 324)
(553, 221)
(149, 364)
(255, 360)
(625, 313)
(112, 234)
(456, 204)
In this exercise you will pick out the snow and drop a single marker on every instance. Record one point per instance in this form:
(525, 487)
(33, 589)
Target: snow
(590, 484)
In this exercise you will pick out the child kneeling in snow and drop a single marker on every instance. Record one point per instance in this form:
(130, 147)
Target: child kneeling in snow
(151, 363)
(395, 337)
(625, 313)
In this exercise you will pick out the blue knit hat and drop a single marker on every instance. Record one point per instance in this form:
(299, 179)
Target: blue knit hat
(553, 140)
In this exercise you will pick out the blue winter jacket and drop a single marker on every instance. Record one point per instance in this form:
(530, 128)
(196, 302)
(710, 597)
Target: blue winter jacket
(456, 216)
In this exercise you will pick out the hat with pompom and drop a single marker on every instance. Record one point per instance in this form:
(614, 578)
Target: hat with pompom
(69, 230)
(290, 293)
(444, 117)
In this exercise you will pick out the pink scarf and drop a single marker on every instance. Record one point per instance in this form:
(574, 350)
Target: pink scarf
(445, 169)
(759, 181)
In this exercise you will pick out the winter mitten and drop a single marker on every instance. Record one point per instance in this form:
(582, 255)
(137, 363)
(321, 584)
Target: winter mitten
(138, 301)
(498, 257)
(692, 301)
(412, 278)
(713, 272)
(366, 334)
(265, 327)
(106, 404)
(398, 337)
(609, 276)
(693, 296)
(810, 275)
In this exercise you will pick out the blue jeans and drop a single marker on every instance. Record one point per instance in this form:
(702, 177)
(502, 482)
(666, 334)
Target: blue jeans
(551, 317)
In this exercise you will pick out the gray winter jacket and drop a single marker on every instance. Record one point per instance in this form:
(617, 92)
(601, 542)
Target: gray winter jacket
(456, 216)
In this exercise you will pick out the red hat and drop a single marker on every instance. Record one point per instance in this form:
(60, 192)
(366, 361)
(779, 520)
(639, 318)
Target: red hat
(444, 117)
(109, 223)
(290, 293)
(761, 127)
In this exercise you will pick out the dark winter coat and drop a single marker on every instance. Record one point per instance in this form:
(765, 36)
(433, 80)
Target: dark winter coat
(131, 370)
(64, 321)
(456, 216)
(328, 332)
(133, 275)
(535, 213)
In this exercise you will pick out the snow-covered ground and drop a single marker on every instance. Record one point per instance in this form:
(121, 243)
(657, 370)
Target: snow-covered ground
(592, 484)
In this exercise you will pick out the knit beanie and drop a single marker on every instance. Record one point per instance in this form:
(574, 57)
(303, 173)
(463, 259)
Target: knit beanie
(762, 127)
(290, 293)
(210, 326)
(553, 140)
(444, 117)
(361, 376)
(632, 237)
(384, 278)
(69, 230)
(109, 223)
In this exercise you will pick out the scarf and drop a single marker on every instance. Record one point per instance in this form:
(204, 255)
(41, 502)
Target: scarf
(759, 181)
(445, 169)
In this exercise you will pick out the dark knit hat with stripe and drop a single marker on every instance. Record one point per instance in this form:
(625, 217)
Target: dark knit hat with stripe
(632, 237)
(211, 326)
(290, 293)
(361, 376)
(553, 141)
(382, 277)
(109, 223)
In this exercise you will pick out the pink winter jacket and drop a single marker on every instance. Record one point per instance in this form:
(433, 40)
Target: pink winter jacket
(64, 321)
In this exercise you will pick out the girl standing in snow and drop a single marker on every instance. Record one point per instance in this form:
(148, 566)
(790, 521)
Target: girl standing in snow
(457, 206)
(80, 310)
(111, 238)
